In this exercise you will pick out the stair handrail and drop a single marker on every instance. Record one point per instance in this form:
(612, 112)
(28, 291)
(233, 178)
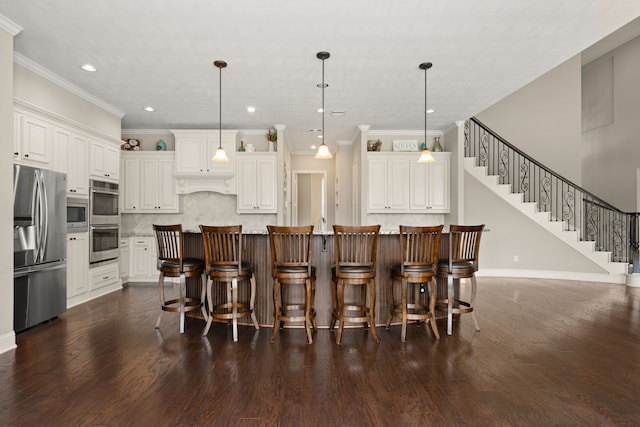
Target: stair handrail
(540, 165)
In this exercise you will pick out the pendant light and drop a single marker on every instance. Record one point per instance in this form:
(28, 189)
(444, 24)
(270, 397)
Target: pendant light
(220, 155)
(323, 151)
(425, 156)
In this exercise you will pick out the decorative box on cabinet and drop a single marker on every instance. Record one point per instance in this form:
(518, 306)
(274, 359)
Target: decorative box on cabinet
(104, 160)
(430, 186)
(257, 183)
(77, 267)
(32, 141)
(388, 183)
(194, 169)
(149, 183)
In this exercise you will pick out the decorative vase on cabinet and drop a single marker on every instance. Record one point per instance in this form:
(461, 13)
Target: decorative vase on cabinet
(436, 146)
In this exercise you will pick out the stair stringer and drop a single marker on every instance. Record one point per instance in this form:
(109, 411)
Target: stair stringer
(556, 228)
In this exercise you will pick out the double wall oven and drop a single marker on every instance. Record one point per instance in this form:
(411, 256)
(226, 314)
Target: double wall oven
(104, 222)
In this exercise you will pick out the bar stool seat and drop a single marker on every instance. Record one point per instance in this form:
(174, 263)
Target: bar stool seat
(419, 251)
(355, 250)
(462, 263)
(291, 265)
(171, 263)
(224, 265)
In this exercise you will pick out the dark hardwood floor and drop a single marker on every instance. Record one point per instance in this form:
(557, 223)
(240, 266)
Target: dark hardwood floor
(549, 353)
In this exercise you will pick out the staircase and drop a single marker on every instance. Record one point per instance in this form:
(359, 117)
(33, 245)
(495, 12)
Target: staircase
(598, 231)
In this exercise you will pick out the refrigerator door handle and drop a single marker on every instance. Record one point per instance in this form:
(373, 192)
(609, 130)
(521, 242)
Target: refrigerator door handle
(44, 203)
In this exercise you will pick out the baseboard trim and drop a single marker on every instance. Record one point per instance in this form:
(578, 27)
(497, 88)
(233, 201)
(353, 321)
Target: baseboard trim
(561, 275)
(7, 342)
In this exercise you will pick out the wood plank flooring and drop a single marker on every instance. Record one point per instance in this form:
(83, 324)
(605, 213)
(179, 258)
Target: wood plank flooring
(549, 353)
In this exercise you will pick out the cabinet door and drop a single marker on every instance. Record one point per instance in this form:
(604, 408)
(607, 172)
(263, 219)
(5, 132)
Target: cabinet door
(77, 264)
(36, 141)
(439, 189)
(17, 138)
(190, 155)
(131, 187)
(377, 185)
(140, 257)
(168, 198)
(61, 147)
(123, 259)
(397, 185)
(104, 162)
(266, 185)
(246, 185)
(78, 172)
(149, 185)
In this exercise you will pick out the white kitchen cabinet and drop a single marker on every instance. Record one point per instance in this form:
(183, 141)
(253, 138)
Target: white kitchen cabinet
(194, 169)
(257, 183)
(70, 155)
(149, 183)
(388, 183)
(104, 160)
(124, 259)
(32, 143)
(194, 150)
(430, 186)
(104, 276)
(77, 264)
(143, 267)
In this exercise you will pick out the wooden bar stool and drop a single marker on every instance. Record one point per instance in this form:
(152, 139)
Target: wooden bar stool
(291, 265)
(355, 265)
(171, 263)
(462, 263)
(419, 251)
(223, 264)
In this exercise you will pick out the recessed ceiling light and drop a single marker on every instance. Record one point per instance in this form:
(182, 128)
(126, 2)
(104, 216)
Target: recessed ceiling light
(89, 67)
(320, 136)
(313, 147)
(251, 109)
(319, 110)
(149, 109)
(431, 111)
(338, 112)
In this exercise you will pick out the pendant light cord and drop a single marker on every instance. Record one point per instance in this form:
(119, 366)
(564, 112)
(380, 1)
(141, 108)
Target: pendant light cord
(323, 101)
(220, 122)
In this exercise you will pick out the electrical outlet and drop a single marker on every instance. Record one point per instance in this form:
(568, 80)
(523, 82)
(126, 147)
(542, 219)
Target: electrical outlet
(515, 258)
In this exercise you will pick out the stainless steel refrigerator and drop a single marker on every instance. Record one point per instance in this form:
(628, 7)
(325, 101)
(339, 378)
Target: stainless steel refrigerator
(39, 245)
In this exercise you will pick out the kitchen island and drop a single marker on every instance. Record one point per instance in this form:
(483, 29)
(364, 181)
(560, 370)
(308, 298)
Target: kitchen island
(256, 251)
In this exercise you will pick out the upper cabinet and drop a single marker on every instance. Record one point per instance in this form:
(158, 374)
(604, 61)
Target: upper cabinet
(399, 184)
(70, 155)
(195, 171)
(104, 160)
(32, 141)
(257, 183)
(149, 183)
(430, 185)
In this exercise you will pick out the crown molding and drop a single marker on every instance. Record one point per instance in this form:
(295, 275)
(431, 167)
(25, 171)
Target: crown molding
(9, 26)
(383, 132)
(65, 84)
(145, 132)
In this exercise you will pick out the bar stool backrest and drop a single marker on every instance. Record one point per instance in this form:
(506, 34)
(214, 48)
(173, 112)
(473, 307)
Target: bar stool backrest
(222, 246)
(464, 244)
(419, 246)
(355, 246)
(291, 247)
(169, 243)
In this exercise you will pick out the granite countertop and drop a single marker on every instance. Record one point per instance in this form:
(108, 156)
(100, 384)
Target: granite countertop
(250, 232)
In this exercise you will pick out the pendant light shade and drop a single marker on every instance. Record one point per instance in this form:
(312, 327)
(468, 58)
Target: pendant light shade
(425, 156)
(220, 155)
(323, 151)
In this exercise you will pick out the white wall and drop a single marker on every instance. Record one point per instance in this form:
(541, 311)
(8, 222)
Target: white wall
(612, 151)
(39, 91)
(543, 119)
(7, 336)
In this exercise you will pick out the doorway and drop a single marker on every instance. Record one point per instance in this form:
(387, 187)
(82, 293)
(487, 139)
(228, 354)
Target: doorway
(309, 201)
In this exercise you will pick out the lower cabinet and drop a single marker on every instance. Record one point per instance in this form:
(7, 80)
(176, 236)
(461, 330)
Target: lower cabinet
(125, 255)
(143, 260)
(104, 276)
(77, 265)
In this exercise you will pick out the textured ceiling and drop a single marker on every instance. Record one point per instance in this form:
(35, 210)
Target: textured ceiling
(160, 53)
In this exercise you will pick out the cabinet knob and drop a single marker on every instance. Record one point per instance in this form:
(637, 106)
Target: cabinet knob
(26, 155)
(16, 153)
